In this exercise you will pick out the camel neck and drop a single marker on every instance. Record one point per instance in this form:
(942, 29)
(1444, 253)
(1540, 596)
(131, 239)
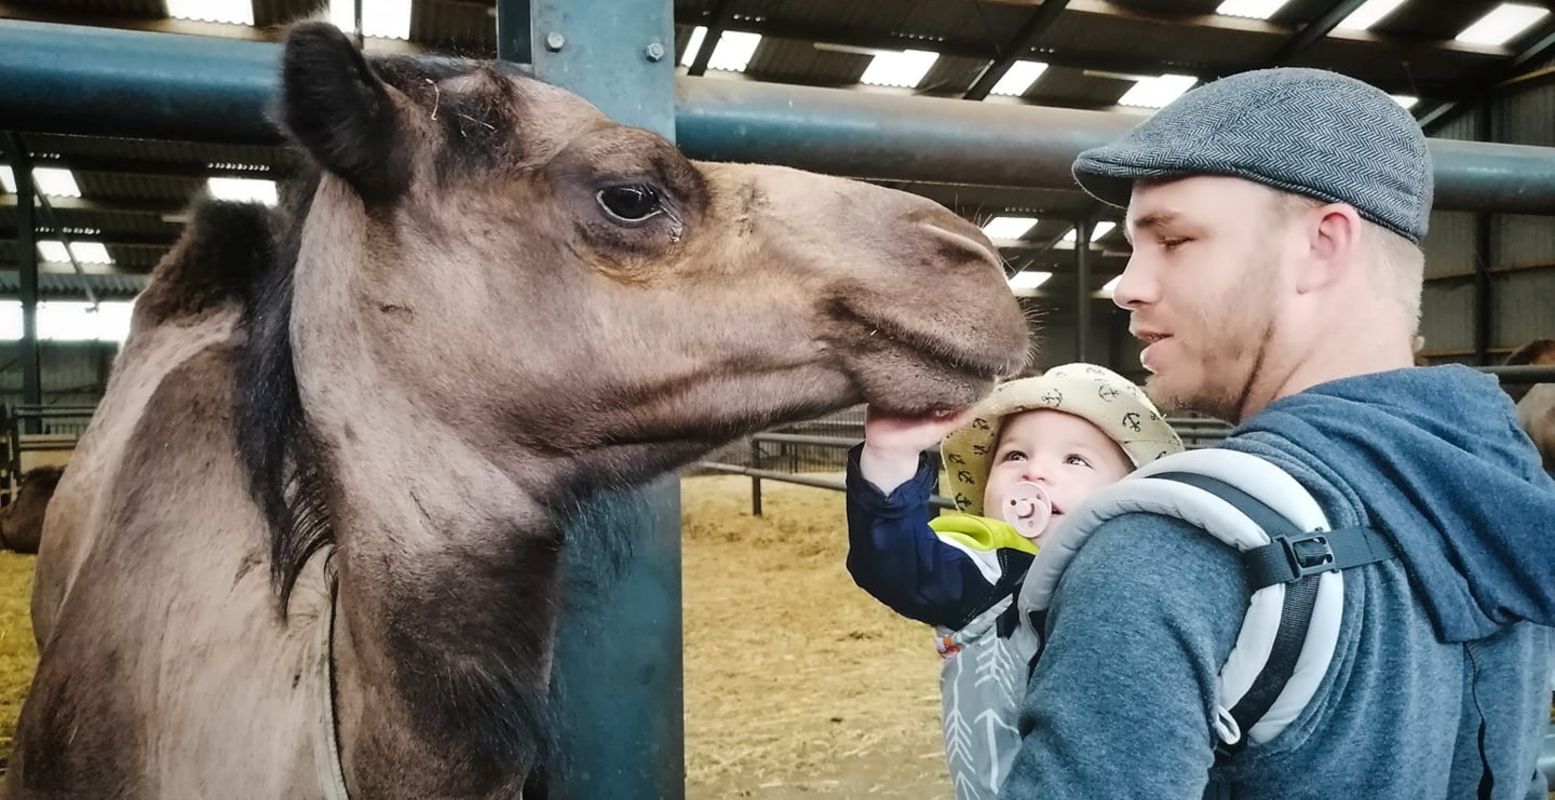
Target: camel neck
(447, 581)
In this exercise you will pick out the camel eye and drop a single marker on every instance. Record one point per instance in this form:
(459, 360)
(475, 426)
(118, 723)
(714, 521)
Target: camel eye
(630, 203)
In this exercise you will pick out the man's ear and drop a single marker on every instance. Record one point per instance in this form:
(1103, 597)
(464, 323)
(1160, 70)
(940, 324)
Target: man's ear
(341, 112)
(1333, 235)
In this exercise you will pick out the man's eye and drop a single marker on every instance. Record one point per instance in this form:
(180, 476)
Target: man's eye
(1172, 244)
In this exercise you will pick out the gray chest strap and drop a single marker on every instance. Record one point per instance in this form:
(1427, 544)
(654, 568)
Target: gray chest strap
(1292, 556)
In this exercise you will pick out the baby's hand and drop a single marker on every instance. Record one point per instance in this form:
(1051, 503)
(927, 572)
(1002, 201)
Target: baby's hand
(892, 444)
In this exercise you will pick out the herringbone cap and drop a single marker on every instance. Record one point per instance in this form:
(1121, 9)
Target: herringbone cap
(1305, 131)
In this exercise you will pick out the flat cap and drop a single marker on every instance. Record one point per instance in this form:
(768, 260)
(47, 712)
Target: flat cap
(1306, 131)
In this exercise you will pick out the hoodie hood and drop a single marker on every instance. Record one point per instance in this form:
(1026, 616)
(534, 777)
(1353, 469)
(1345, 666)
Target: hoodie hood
(1434, 459)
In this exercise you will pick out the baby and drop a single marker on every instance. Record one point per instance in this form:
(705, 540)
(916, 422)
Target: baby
(1016, 465)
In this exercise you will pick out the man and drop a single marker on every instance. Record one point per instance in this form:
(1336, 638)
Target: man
(1276, 277)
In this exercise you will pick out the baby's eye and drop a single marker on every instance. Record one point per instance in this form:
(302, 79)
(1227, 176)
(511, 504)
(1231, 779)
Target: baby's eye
(1013, 455)
(1077, 460)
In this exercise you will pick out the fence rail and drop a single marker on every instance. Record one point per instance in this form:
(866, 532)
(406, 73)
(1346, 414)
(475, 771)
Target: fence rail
(48, 433)
(820, 445)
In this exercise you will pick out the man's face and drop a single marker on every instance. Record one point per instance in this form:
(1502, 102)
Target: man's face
(1203, 288)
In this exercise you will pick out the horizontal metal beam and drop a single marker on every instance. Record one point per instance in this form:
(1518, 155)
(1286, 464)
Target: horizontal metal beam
(63, 79)
(79, 204)
(950, 141)
(802, 480)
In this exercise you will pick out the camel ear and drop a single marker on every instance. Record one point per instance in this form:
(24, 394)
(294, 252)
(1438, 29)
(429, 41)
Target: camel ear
(337, 107)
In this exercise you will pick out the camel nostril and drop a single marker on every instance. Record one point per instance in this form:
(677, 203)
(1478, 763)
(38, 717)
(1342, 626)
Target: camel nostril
(965, 242)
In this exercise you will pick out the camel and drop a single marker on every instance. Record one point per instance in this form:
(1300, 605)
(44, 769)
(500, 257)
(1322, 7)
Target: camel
(21, 521)
(308, 545)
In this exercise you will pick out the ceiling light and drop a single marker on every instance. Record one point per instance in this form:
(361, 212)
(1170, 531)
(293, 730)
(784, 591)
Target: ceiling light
(242, 190)
(1369, 14)
(905, 68)
(1008, 228)
(1503, 24)
(1027, 281)
(1405, 100)
(381, 19)
(1018, 80)
(1157, 92)
(1101, 229)
(55, 182)
(236, 12)
(1255, 9)
(732, 53)
(54, 252)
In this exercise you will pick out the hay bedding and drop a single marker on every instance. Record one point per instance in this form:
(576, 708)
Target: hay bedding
(18, 654)
(797, 683)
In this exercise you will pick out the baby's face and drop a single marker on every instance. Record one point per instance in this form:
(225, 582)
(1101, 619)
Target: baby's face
(1065, 455)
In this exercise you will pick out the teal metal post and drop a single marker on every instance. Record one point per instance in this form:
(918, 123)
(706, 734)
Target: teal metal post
(617, 674)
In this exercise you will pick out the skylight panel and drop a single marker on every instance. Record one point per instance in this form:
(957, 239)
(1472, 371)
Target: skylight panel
(1253, 9)
(1008, 228)
(1101, 229)
(732, 53)
(55, 182)
(905, 69)
(242, 190)
(235, 12)
(1405, 100)
(54, 251)
(1158, 91)
(1018, 80)
(1503, 24)
(1027, 281)
(1111, 286)
(1369, 14)
(381, 19)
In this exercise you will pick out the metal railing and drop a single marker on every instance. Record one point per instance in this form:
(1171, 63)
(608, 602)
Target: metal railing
(783, 448)
(37, 429)
(784, 454)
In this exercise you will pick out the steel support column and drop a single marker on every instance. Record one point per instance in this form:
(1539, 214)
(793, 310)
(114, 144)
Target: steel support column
(617, 676)
(1038, 24)
(1082, 292)
(723, 11)
(1484, 250)
(27, 265)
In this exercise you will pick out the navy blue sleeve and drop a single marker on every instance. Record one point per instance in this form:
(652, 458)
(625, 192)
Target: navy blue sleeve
(895, 556)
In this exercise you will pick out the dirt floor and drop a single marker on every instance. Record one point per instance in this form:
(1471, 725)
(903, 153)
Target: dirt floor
(797, 683)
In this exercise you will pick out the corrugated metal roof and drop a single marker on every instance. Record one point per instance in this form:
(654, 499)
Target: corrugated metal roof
(154, 150)
(115, 187)
(790, 61)
(459, 27)
(269, 13)
(130, 8)
(67, 286)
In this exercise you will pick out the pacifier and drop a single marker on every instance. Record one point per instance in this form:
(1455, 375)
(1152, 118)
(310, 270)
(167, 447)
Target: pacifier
(1027, 509)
